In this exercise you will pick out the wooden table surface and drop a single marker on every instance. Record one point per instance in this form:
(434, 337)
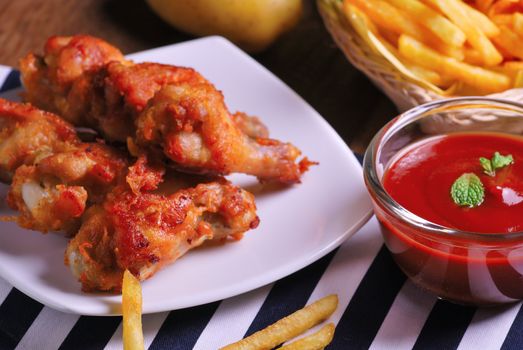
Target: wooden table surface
(305, 58)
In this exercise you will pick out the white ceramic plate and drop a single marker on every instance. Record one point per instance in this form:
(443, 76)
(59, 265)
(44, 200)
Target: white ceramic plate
(299, 224)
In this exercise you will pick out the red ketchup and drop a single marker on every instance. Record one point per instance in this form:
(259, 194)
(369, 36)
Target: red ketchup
(485, 267)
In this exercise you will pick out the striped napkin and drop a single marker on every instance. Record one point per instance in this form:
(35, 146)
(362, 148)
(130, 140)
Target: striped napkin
(379, 309)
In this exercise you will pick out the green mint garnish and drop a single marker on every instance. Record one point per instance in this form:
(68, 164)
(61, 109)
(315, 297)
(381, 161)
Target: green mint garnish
(487, 166)
(498, 161)
(467, 190)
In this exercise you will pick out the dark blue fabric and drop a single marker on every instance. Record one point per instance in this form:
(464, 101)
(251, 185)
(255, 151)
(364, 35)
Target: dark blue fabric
(370, 304)
(514, 339)
(91, 332)
(182, 328)
(289, 294)
(17, 313)
(12, 81)
(445, 326)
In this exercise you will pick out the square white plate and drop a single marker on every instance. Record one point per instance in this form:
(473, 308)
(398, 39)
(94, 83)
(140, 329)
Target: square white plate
(299, 224)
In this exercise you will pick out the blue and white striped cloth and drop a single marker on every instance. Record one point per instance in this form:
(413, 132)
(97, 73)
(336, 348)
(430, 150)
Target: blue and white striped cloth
(379, 309)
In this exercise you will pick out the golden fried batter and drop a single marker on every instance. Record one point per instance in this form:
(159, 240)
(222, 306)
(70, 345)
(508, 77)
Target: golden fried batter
(144, 231)
(119, 99)
(54, 175)
(194, 128)
(28, 134)
(48, 79)
(53, 194)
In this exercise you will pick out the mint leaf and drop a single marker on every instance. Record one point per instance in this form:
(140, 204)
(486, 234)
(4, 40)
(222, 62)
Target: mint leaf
(468, 191)
(487, 166)
(498, 161)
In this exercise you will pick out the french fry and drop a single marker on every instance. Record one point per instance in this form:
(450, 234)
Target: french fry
(514, 70)
(503, 19)
(480, 78)
(390, 18)
(451, 51)
(509, 41)
(383, 14)
(481, 20)
(503, 6)
(484, 5)
(425, 74)
(390, 37)
(473, 56)
(315, 341)
(132, 312)
(467, 90)
(518, 80)
(288, 327)
(456, 11)
(447, 31)
(517, 24)
(359, 21)
(513, 65)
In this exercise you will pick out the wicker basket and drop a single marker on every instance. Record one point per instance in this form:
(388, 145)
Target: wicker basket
(403, 92)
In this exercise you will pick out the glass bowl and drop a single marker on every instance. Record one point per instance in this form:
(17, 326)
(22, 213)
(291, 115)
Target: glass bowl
(460, 266)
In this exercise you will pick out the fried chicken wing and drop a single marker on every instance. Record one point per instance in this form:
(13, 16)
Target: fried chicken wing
(118, 98)
(193, 127)
(53, 194)
(145, 231)
(126, 90)
(54, 175)
(49, 79)
(45, 206)
(28, 134)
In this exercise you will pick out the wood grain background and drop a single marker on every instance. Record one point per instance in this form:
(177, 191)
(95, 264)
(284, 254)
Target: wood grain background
(305, 58)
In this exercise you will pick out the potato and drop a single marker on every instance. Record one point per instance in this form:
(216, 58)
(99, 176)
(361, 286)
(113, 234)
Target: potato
(253, 24)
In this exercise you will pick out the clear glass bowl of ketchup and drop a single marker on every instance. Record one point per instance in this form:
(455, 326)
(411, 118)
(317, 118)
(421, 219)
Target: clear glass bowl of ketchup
(468, 255)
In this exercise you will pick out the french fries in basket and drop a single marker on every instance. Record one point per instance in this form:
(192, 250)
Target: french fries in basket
(369, 33)
(458, 13)
(392, 19)
(451, 47)
(483, 79)
(435, 22)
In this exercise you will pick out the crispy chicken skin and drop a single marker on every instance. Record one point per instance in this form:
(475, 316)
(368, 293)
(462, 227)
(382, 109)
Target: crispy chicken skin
(143, 231)
(111, 98)
(250, 125)
(193, 127)
(53, 194)
(118, 98)
(28, 134)
(48, 79)
(54, 175)
(45, 205)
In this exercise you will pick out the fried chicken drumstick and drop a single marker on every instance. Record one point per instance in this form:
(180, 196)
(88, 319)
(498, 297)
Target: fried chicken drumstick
(122, 218)
(171, 109)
